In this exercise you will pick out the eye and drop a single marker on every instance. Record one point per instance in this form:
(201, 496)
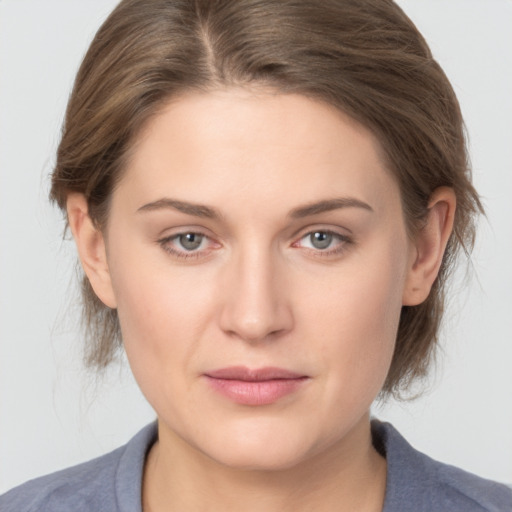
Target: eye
(320, 239)
(190, 241)
(324, 242)
(188, 245)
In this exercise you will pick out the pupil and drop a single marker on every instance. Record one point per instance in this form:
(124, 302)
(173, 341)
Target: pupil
(190, 241)
(321, 240)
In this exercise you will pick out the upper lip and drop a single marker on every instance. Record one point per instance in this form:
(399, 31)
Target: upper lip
(253, 375)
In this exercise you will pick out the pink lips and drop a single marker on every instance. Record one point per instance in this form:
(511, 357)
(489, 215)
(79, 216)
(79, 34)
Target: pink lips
(261, 386)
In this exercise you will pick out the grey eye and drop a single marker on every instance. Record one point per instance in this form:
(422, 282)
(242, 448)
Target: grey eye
(320, 239)
(190, 241)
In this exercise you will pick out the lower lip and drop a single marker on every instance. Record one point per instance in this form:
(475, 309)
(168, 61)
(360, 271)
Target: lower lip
(255, 392)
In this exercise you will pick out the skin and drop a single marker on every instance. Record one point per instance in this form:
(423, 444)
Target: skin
(258, 292)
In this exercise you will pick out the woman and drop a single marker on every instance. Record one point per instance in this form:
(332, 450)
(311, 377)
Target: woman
(266, 215)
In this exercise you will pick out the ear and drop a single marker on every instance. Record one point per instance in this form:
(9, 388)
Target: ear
(429, 245)
(91, 248)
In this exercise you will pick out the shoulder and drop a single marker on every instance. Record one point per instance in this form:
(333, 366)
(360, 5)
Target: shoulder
(415, 479)
(104, 483)
(80, 487)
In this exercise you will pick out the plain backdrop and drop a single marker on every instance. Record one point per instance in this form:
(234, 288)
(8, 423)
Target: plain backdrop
(53, 414)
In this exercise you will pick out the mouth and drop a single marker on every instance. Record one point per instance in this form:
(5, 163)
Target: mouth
(260, 386)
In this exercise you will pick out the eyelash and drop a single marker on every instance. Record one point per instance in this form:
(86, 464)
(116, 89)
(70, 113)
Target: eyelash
(165, 243)
(341, 246)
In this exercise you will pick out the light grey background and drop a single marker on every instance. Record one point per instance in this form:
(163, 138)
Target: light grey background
(52, 414)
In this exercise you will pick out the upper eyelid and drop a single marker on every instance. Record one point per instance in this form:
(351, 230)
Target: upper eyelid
(167, 243)
(342, 232)
(341, 236)
(169, 233)
(174, 236)
(339, 246)
(338, 231)
(324, 230)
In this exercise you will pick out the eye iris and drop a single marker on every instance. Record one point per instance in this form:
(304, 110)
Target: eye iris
(190, 241)
(320, 239)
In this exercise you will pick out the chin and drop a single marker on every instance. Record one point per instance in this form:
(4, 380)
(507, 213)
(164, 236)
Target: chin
(264, 459)
(256, 449)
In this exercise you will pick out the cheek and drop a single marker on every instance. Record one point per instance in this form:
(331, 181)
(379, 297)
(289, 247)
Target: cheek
(162, 314)
(356, 320)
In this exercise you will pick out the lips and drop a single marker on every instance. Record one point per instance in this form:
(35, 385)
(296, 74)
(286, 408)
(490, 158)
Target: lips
(261, 386)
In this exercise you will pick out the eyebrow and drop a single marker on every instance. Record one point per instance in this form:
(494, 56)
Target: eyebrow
(201, 210)
(329, 205)
(197, 210)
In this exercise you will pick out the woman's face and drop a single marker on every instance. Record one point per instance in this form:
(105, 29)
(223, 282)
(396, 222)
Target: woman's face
(258, 258)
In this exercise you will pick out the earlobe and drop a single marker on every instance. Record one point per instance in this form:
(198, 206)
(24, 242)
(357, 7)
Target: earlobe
(429, 246)
(91, 248)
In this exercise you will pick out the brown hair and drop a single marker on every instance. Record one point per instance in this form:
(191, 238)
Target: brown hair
(365, 57)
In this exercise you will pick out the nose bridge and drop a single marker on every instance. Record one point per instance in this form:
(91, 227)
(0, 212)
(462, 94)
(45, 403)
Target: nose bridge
(255, 305)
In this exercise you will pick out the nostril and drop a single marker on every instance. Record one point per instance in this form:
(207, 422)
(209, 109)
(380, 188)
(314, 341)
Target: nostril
(254, 330)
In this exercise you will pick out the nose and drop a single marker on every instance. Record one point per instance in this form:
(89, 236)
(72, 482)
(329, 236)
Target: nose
(255, 304)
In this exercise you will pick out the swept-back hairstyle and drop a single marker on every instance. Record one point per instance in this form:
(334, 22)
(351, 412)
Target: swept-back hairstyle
(365, 57)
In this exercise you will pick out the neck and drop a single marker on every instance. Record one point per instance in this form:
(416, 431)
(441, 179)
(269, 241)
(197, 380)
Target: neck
(350, 476)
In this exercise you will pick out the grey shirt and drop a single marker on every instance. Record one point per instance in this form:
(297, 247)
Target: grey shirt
(112, 483)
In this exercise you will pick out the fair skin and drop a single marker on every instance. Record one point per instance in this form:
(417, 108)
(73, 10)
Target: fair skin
(215, 258)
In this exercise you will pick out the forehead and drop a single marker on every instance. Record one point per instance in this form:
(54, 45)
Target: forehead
(255, 144)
